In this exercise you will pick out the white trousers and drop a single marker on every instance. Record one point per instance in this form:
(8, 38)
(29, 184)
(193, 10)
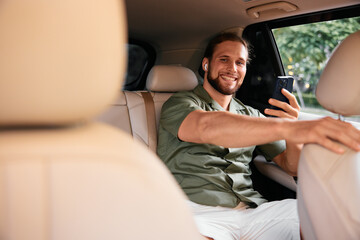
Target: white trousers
(270, 221)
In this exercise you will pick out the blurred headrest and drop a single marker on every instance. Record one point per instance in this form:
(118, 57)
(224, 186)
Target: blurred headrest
(60, 61)
(338, 89)
(171, 79)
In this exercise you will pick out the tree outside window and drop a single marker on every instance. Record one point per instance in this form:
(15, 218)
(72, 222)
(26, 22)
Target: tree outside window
(305, 49)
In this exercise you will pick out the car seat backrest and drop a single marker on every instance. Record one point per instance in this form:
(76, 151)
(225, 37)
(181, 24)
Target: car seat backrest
(338, 89)
(161, 83)
(329, 184)
(117, 114)
(62, 175)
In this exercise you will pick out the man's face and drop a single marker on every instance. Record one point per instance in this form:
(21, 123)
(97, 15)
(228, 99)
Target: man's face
(227, 68)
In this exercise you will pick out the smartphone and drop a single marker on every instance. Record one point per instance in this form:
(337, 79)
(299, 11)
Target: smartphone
(282, 82)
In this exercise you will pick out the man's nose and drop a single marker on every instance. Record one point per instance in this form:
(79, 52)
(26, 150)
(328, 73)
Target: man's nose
(232, 66)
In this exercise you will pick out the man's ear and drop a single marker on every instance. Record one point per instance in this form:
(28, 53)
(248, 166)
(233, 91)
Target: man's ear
(205, 64)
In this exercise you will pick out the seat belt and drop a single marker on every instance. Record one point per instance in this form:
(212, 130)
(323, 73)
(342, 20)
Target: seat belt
(151, 121)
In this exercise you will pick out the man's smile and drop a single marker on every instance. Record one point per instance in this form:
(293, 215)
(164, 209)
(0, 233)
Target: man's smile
(228, 77)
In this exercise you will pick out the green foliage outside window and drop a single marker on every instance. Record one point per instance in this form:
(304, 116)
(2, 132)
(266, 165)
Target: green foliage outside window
(304, 50)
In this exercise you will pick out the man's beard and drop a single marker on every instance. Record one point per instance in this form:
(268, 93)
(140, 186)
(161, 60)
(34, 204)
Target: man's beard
(215, 83)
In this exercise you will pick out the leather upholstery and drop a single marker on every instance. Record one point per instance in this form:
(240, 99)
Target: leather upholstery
(86, 182)
(329, 194)
(163, 78)
(162, 82)
(329, 184)
(117, 114)
(58, 87)
(338, 89)
(63, 176)
(274, 172)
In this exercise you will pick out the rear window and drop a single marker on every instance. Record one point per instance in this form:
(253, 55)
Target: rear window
(304, 51)
(141, 58)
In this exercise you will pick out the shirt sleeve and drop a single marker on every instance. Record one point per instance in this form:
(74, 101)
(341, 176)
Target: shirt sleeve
(176, 109)
(271, 150)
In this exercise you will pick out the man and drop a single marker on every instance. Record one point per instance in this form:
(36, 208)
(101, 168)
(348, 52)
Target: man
(207, 138)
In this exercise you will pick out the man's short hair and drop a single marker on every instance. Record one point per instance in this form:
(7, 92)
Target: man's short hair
(222, 37)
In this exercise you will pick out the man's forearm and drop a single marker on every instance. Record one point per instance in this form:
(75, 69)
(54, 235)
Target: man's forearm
(232, 130)
(292, 158)
(229, 130)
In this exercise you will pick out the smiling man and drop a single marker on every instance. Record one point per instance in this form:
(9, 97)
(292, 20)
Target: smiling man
(207, 139)
(229, 62)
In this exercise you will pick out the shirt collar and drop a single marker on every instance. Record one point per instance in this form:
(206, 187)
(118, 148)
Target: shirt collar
(235, 105)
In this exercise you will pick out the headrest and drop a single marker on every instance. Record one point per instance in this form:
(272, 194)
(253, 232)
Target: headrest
(171, 79)
(60, 61)
(338, 89)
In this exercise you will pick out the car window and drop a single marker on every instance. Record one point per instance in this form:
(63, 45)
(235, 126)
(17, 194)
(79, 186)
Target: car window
(304, 51)
(140, 60)
(262, 70)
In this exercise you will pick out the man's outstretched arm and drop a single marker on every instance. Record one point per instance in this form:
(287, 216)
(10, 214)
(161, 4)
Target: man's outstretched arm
(232, 130)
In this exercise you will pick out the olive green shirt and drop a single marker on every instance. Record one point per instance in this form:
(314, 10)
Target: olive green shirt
(209, 174)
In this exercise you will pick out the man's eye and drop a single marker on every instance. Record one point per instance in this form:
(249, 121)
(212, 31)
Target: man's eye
(240, 63)
(223, 59)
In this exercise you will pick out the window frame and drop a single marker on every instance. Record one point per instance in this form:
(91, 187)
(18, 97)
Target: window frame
(246, 92)
(327, 15)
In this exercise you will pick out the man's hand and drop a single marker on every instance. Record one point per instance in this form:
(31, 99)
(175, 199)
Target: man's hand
(290, 111)
(327, 132)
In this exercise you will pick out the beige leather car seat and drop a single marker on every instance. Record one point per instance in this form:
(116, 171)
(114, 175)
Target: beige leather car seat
(63, 176)
(329, 184)
(130, 112)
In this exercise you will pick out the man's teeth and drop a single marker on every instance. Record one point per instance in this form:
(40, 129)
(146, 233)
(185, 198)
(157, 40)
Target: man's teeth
(229, 78)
